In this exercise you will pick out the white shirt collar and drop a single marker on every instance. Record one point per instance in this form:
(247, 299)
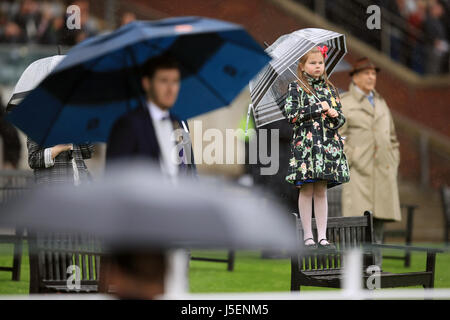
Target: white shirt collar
(359, 90)
(156, 112)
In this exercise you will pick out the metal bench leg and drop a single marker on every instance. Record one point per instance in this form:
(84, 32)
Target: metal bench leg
(17, 260)
(447, 235)
(231, 260)
(294, 286)
(103, 281)
(34, 263)
(431, 263)
(409, 227)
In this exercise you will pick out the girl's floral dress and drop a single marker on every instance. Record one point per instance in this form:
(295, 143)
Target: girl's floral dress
(317, 149)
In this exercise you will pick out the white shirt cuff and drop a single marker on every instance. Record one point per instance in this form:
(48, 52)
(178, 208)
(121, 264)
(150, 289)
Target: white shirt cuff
(49, 162)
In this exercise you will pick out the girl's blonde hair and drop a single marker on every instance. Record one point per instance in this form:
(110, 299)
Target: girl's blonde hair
(304, 82)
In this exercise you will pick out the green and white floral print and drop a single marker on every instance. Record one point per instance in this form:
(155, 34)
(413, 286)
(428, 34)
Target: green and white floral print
(317, 148)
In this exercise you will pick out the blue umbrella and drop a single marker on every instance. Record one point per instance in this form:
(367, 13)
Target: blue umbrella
(98, 81)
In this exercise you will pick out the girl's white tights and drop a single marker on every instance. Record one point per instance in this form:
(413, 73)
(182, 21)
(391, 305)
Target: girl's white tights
(318, 190)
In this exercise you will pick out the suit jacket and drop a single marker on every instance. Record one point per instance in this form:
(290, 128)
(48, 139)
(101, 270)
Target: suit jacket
(62, 170)
(133, 136)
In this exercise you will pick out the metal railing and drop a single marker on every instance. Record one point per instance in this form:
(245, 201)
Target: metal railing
(14, 183)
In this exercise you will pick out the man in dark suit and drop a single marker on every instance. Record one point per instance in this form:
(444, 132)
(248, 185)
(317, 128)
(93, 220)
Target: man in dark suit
(150, 131)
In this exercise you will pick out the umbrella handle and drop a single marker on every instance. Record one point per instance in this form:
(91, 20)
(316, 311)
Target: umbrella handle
(325, 123)
(248, 117)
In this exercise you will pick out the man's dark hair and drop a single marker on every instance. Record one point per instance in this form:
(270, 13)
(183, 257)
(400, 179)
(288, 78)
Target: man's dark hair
(147, 266)
(165, 61)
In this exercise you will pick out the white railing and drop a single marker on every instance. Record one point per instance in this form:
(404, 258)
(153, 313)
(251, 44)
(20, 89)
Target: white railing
(352, 288)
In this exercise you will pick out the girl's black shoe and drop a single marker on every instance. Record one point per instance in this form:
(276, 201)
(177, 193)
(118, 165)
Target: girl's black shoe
(328, 245)
(311, 245)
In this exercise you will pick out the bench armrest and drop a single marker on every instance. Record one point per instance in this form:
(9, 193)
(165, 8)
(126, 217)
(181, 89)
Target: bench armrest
(409, 205)
(407, 248)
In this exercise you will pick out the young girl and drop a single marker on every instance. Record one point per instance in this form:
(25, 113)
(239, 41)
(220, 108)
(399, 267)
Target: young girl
(317, 161)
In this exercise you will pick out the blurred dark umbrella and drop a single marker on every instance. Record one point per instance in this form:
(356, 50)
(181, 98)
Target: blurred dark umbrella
(99, 80)
(138, 208)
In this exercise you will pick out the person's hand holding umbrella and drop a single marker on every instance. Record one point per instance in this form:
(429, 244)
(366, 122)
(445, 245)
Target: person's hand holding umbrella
(328, 110)
(56, 150)
(38, 157)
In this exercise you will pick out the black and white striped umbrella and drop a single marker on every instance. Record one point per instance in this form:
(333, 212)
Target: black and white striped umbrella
(268, 89)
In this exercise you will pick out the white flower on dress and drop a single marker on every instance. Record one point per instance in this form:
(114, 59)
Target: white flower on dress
(292, 163)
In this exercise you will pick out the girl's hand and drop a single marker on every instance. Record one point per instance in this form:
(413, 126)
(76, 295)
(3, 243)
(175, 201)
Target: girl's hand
(325, 106)
(332, 113)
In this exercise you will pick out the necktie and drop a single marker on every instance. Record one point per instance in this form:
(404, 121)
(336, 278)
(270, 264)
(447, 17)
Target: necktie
(181, 155)
(372, 102)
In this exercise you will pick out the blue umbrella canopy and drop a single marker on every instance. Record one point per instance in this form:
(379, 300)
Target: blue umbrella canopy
(99, 80)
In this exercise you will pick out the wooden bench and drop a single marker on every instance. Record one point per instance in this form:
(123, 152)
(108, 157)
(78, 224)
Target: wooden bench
(51, 258)
(14, 183)
(334, 196)
(323, 268)
(445, 196)
(229, 260)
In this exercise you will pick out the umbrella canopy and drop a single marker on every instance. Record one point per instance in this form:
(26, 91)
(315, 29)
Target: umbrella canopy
(31, 77)
(99, 80)
(269, 89)
(138, 208)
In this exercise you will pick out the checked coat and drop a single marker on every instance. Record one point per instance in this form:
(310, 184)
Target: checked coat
(62, 170)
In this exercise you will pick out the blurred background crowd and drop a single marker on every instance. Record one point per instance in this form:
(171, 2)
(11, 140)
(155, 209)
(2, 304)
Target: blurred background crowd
(415, 33)
(43, 22)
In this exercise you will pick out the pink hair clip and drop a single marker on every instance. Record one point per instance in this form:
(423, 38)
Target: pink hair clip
(323, 50)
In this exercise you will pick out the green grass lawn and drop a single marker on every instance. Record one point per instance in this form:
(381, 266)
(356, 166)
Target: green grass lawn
(251, 273)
